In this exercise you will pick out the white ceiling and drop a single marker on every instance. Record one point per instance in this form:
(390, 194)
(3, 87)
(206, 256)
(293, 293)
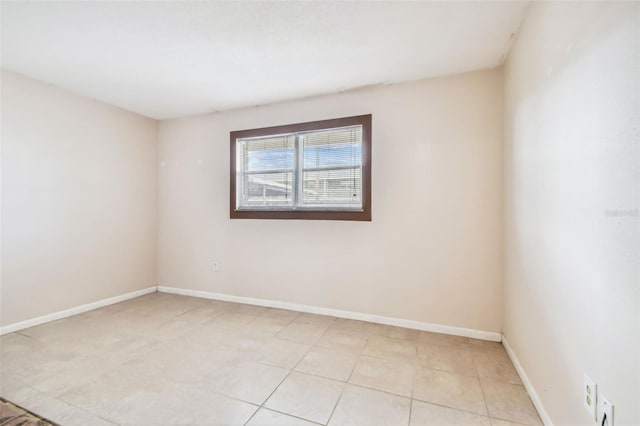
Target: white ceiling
(171, 59)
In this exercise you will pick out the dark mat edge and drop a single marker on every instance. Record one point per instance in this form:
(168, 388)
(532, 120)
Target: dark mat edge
(38, 416)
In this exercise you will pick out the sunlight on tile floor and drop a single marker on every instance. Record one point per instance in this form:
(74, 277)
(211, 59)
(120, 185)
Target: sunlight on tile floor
(164, 359)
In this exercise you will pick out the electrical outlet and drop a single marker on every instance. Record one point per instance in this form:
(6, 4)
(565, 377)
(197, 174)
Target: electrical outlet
(215, 265)
(589, 397)
(605, 408)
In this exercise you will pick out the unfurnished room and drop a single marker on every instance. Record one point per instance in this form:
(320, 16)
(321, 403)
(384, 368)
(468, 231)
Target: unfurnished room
(298, 213)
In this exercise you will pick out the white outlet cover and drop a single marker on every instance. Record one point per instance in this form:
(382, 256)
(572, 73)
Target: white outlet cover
(589, 397)
(605, 408)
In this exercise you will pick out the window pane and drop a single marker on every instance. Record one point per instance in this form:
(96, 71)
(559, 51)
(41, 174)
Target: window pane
(268, 189)
(269, 153)
(332, 172)
(267, 169)
(334, 148)
(333, 187)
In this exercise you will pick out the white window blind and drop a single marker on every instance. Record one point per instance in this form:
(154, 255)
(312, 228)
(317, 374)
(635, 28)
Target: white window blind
(268, 171)
(319, 170)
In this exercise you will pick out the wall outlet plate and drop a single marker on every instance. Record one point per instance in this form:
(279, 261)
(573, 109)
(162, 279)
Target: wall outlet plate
(605, 408)
(215, 265)
(589, 397)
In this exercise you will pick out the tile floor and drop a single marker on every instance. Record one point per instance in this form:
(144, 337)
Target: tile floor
(163, 359)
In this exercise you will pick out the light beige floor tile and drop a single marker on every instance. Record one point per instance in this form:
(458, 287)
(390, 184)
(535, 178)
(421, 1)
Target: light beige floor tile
(259, 333)
(451, 390)
(165, 359)
(440, 339)
(343, 339)
(231, 320)
(182, 408)
(310, 397)
(128, 398)
(245, 346)
(267, 325)
(496, 366)
(190, 367)
(360, 406)
(395, 332)
(170, 329)
(382, 374)
(16, 344)
(49, 375)
(66, 329)
(54, 409)
(281, 315)
(120, 323)
(446, 358)
(478, 345)
(10, 383)
(103, 312)
(204, 313)
(498, 422)
(265, 417)
(251, 382)
(128, 345)
(210, 338)
(215, 410)
(166, 306)
(116, 394)
(425, 414)
(353, 325)
(510, 402)
(321, 320)
(21, 354)
(174, 306)
(333, 363)
(72, 374)
(30, 368)
(389, 348)
(242, 308)
(282, 353)
(205, 338)
(299, 332)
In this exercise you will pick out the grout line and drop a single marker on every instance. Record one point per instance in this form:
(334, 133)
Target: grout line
(285, 414)
(379, 390)
(348, 378)
(187, 311)
(462, 411)
(416, 366)
(62, 401)
(279, 384)
(484, 397)
(336, 404)
(410, 409)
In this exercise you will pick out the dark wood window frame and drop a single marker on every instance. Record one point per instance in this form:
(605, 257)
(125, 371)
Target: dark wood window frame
(357, 215)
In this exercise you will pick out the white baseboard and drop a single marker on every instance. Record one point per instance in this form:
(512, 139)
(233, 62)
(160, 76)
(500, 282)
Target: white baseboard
(399, 322)
(74, 311)
(537, 402)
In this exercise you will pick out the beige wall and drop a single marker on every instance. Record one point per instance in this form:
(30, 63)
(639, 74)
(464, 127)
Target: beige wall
(572, 120)
(78, 200)
(433, 250)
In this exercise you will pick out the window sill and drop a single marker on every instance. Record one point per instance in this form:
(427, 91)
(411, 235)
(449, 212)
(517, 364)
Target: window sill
(350, 215)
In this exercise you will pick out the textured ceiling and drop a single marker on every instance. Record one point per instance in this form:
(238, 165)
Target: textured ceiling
(171, 59)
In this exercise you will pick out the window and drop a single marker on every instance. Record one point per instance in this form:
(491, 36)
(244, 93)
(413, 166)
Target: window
(315, 170)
